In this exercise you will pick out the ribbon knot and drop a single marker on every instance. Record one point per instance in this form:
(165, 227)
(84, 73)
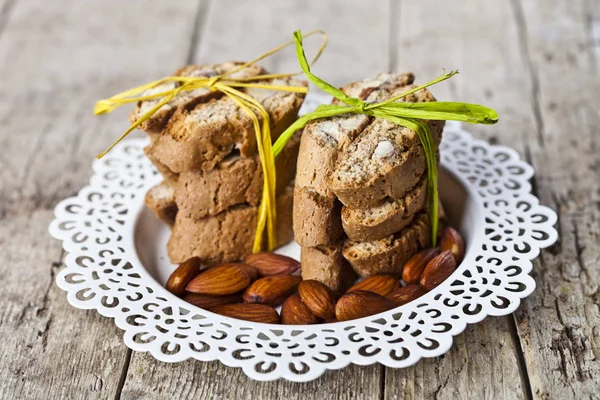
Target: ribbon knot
(212, 81)
(360, 106)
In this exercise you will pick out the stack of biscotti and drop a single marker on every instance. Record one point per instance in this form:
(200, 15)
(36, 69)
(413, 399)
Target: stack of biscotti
(204, 145)
(361, 189)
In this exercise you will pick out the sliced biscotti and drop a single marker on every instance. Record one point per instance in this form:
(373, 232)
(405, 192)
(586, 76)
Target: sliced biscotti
(388, 255)
(157, 122)
(160, 199)
(374, 223)
(202, 136)
(227, 236)
(327, 265)
(385, 160)
(316, 209)
(235, 180)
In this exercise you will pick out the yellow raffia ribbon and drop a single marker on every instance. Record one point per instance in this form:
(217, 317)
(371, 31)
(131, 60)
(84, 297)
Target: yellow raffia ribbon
(267, 212)
(410, 115)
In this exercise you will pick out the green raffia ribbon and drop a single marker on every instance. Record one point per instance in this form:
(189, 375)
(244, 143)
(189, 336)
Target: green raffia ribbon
(410, 115)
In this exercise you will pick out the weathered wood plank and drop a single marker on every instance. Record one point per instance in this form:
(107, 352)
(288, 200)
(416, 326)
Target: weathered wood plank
(481, 41)
(56, 60)
(358, 32)
(149, 379)
(560, 324)
(232, 31)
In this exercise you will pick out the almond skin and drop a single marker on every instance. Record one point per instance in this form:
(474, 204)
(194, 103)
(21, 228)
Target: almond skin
(406, 294)
(411, 273)
(295, 312)
(221, 280)
(272, 290)
(438, 269)
(318, 298)
(272, 264)
(360, 303)
(381, 284)
(206, 301)
(180, 278)
(250, 270)
(452, 241)
(248, 312)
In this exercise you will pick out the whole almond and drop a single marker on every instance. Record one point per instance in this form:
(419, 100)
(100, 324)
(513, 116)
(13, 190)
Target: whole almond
(438, 269)
(250, 270)
(206, 301)
(452, 241)
(414, 267)
(221, 280)
(295, 312)
(360, 303)
(318, 298)
(180, 278)
(381, 284)
(248, 312)
(406, 294)
(272, 264)
(272, 290)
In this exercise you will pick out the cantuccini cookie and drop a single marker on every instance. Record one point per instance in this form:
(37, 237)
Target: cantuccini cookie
(327, 265)
(235, 180)
(373, 223)
(388, 255)
(227, 236)
(201, 136)
(160, 199)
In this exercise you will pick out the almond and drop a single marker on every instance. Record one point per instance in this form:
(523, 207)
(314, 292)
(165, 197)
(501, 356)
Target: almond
(360, 303)
(180, 278)
(318, 298)
(406, 294)
(452, 241)
(381, 284)
(414, 267)
(206, 301)
(295, 312)
(250, 270)
(272, 290)
(221, 280)
(248, 312)
(272, 264)
(438, 269)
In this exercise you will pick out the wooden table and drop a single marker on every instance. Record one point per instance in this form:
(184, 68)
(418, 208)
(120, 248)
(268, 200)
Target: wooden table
(535, 61)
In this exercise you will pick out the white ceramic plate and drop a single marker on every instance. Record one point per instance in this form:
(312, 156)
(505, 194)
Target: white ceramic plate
(117, 264)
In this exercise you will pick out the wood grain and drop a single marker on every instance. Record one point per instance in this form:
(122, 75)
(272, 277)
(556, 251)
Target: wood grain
(358, 32)
(560, 324)
(55, 62)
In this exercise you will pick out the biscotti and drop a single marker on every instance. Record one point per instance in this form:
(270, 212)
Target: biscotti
(374, 223)
(235, 180)
(389, 255)
(227, 236)
(316, 209)
(160, 199)
(202, 136)
(327, 265)
(157, 121)
(385, 160)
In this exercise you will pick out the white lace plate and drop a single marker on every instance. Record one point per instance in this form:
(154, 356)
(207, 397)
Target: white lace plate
(117, 264)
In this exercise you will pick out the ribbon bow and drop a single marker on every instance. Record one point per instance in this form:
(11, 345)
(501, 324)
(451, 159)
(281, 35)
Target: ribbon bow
(230, 87)
(410, 115)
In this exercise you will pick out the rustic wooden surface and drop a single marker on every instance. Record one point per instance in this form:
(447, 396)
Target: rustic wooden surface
(536, 61)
